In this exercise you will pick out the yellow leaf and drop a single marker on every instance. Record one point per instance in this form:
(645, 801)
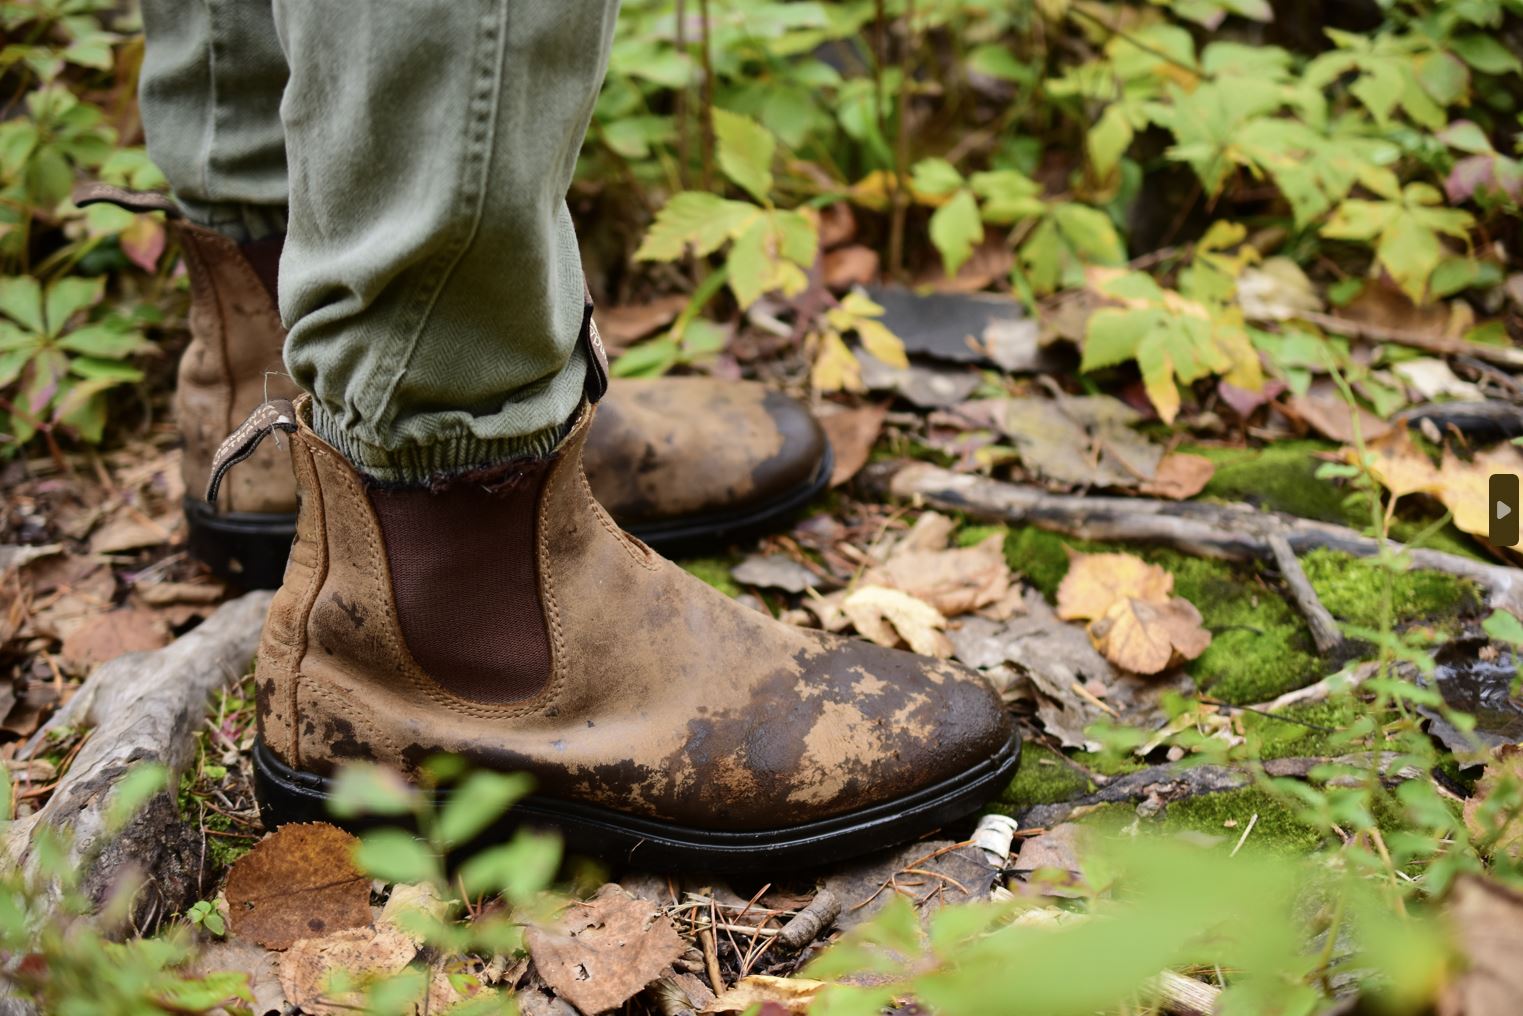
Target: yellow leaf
(1148, 638)
(1096, 581)
(882, 343)
(888, 616)
(835, 369)
(794, 994)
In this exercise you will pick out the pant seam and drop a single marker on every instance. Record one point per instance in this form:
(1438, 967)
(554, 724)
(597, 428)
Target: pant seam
(476, 166)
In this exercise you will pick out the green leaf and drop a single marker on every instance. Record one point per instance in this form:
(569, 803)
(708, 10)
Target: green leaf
(693, 218)
(11, 363)
(1007, 196)
(745, 152)
(115, 371)
(476, 803)
(133, 792)
(371, 790)
(1112, 337)
(1090, 232)
(955, 229)
(1108, 141)
(934, 178)
(518, 869)
(1360, 220)
(1504, 627)
(21, 301)
(1410, 251)
(394, 855)
(1466, 137)
(998, 61)
(1486, 54)
(111, 342)
(651, 358)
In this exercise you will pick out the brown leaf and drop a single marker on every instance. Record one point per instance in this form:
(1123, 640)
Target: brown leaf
(255, 962)
(604, 950)
(1057, 848)
(1400, 466)
(1487, 919)
(132, 530)
(852, 434)
(310, 965)
(1491, 810)
(790, 994)
(1096, 581)
(106, 636)
(952, 581)
(1148, 638)
(1323, 409)
(1179, 476)
(774, 571)
(298, 882)
(889, 616)
(620, 326)
(850, 266)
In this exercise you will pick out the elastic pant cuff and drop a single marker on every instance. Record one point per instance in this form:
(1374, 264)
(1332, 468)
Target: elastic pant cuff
(422, 464)
(239, 223)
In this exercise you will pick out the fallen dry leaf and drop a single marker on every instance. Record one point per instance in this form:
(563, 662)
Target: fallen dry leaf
(253, 961)
(1057, 848)
(103, 637)
(850, 266)
(888, 617)
(1179, 476)
(932, 873)
(852, 434)
(792, 994)
(1431, 378)
(309, 968)
(774, 571)
(622, 325)
(1095, 581)
(298, 882)
(1491, 810)
(954, 581)
(604, 950)
(132, 530)
(1487, 919)
(1462, 487)
(1324, 410)
(1149, 638)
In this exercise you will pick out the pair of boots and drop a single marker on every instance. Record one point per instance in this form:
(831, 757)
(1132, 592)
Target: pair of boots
(505, 616)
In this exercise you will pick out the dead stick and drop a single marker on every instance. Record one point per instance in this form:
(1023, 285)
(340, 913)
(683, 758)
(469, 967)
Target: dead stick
(1324, 630)
(1230, 531)
(1505, 356)
(1183, 996)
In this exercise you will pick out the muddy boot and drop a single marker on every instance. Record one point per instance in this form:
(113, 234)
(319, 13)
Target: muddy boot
(502, 616)
(231, 365)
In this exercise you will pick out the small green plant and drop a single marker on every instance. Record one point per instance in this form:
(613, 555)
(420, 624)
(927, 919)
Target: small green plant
(204, 914)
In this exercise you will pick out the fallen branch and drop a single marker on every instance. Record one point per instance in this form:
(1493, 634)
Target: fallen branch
(1505, 356)
(1230, 531)
(144, 708)
(1175, 781)
(1324, 630)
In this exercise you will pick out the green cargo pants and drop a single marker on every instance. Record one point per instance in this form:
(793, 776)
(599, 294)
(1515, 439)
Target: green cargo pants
(418, 153)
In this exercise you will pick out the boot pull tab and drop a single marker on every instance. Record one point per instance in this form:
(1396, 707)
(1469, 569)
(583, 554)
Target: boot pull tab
(276, 414)
(95, 192)
(596, 385)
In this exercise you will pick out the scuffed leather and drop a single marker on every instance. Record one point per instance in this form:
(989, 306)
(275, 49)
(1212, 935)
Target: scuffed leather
(666, 448)
(664, 698)
(232, 364)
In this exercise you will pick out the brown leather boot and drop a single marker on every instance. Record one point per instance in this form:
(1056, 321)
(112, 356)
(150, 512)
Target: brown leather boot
(683, 463)
(504, 617)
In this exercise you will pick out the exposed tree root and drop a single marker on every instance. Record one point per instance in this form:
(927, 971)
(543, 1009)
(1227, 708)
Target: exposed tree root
(143, 708)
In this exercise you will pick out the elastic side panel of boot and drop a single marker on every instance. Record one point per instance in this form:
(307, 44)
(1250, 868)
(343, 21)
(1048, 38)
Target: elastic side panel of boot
(464, 571)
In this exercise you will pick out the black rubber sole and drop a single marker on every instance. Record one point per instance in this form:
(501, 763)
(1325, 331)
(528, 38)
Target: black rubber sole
(250, 550)
(244, 548)
(693, 534)
(286, 795)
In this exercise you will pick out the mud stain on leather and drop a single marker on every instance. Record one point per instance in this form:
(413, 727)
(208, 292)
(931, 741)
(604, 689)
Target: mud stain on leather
(353, 611)
(343, 742)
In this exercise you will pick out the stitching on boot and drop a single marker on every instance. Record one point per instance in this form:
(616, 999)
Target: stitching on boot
(645, 559)
(551, 603)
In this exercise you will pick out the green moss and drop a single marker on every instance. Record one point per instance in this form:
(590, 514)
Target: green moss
(1314, 729)
(1277, 829)
(713, 570)
(1040, 557)
(1044, 777)
(1352, 588)
(967, 536)
(1281, 477)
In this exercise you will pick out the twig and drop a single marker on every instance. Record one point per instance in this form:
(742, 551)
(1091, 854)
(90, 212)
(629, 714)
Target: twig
(1244, 838)
(1184, 996)
(1324, 630)
(1506, 356)
(810, 922)
(1231, 531)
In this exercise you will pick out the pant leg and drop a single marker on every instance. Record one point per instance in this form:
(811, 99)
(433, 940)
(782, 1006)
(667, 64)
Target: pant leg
(212, 77)
(431, 279)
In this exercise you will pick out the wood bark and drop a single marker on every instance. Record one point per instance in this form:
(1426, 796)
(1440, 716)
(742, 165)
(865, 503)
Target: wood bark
(141, 708)
(1228, 531)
